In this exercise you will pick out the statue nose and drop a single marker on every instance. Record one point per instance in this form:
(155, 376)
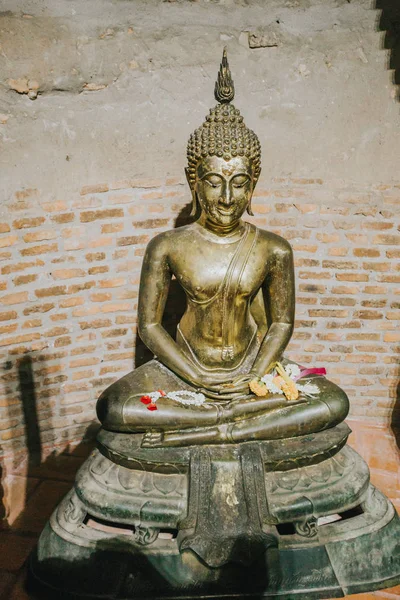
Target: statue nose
(226, 197)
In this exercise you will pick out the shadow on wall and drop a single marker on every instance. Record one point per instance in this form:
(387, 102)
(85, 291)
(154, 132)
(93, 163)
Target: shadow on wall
(389, 22)
(28, 403)
(25, 400)
(176, 301)
(18, 377)
(30, 410)
(27, 518)
(395, 421)
(2, 507)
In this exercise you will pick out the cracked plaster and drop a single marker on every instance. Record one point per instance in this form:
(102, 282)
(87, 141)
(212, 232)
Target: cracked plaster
(117, 87)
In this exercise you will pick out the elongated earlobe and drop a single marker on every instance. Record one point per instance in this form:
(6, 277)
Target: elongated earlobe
(249, 209)
(193, 212)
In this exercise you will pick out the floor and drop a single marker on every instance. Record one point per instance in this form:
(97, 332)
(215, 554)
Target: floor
(34, 496)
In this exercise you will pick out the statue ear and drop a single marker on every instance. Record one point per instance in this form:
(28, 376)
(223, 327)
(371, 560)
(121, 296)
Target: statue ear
(190, 182)
(249, 209)
(193, 212)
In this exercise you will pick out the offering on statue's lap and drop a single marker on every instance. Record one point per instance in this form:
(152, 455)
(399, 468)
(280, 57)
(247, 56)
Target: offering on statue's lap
(283, 381)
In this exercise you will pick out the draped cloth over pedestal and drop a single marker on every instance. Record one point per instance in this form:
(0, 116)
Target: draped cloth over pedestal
(227, 506)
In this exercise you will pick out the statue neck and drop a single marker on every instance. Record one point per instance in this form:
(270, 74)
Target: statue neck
(228, 234)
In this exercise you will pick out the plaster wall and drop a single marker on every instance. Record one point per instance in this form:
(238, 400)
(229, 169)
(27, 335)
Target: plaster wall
(97, 100)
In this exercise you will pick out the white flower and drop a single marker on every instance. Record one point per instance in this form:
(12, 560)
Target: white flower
(309, 389)
(187, 397)
(181, 396)
(271, 386)
(292, 370)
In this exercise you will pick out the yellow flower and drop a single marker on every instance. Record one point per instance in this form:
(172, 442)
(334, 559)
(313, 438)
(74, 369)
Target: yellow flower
(258, 387)
(278, 381)
(288, 386)
(290, 390)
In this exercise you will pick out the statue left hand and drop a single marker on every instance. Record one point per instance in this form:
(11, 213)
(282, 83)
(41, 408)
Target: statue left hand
(233, 388)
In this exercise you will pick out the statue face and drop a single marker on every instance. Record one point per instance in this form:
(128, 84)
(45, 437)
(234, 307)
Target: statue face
(224, 188)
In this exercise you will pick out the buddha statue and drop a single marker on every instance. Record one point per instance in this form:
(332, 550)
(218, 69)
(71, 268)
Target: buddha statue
(239, 286)
(221, 468)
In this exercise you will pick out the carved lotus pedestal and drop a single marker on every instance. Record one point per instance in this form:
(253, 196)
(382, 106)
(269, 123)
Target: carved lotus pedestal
(293, 518)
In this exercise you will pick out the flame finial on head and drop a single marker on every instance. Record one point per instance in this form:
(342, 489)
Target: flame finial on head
(224, 89)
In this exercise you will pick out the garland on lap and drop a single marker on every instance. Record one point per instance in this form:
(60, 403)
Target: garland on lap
(282, 380)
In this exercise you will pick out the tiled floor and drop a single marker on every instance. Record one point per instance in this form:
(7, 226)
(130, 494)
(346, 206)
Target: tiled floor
(33, 497)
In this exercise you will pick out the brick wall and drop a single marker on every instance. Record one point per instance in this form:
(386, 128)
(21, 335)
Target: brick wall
(68, 294)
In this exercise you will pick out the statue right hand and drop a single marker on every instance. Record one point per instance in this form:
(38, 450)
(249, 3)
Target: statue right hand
(226, 389)
(219, 391)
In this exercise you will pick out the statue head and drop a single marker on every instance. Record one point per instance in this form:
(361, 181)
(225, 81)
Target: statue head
(224, 158)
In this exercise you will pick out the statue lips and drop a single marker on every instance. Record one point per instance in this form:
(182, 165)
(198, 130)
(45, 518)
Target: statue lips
(226, 213)
(227, 210)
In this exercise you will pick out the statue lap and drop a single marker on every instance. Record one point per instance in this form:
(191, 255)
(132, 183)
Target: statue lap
(147, 378)
(329, 407)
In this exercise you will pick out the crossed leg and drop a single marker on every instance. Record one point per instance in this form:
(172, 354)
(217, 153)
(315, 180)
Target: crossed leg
(275, 422)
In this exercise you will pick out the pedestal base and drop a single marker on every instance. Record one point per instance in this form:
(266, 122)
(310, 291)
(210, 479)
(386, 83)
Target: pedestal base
(285, 519)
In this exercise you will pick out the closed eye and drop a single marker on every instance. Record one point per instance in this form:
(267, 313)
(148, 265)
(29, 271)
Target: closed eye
(240, 181)
(213, 185)
(214, 181)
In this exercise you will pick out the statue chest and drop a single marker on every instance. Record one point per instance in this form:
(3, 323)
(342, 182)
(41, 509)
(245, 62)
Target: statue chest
(205, 275)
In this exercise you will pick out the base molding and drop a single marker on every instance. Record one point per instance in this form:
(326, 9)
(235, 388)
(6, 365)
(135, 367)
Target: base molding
(223, 524)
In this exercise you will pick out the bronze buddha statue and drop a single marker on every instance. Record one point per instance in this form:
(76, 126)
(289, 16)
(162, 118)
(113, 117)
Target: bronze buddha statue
(213, 477)
(239, 285)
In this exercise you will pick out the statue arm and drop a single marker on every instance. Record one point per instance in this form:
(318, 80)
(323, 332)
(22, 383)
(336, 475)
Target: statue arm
(279, 293)
(154, 286)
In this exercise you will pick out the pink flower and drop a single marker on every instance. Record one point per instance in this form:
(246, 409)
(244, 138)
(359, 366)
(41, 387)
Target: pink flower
(311, 371)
